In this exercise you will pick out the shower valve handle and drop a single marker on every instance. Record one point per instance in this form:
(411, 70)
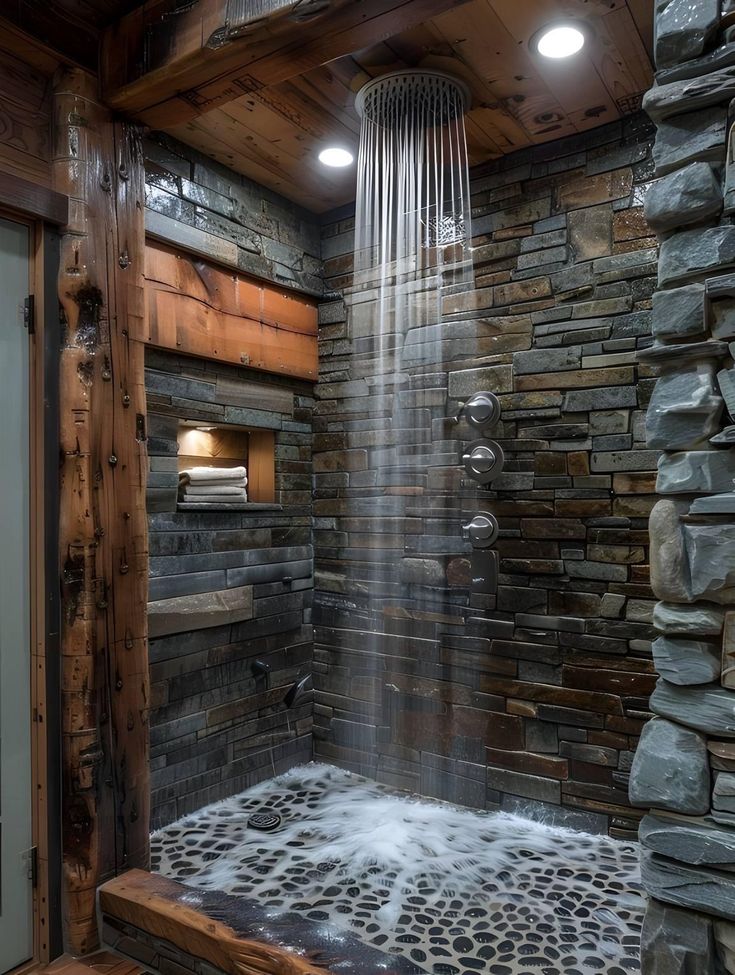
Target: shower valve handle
(483, 460)
(482, 530)
(481, 410)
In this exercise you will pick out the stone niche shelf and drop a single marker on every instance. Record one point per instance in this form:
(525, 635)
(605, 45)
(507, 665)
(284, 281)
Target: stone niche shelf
(203, 445)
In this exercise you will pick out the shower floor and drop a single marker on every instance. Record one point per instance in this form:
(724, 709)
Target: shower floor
(454, 890)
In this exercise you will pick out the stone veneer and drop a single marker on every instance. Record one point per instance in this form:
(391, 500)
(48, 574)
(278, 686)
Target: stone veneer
(684, 768)
(535, 698)
(242, 579)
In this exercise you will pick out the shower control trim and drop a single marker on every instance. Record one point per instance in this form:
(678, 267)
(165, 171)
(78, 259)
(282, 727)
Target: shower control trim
(483, 530)
(483, 460)
(481, 410)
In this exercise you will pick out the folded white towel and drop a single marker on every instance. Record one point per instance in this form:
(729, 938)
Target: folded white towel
(196, 475)
(215, 488)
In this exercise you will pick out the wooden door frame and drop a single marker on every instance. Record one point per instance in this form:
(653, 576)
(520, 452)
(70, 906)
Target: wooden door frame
(44, 705)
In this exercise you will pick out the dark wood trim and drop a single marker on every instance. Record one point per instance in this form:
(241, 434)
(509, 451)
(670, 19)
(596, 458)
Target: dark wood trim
(50, 352)
(165, 71)
(33, 200)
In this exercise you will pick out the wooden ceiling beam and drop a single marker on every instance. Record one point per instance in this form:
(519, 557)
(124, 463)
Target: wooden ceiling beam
(165, 67)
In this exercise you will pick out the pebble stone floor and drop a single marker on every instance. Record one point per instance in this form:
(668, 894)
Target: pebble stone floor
(455, 890)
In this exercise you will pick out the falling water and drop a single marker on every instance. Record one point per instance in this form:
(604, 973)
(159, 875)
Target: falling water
(412, 250)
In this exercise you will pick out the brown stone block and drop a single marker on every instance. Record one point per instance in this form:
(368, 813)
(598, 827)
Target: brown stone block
(582, 508)
(633, 507)
(609, 739)
(578, 463)
(608, 681)
(577, 379)
(529, 289)
(590, 773)
(618, 554)
(628, 246)
(624, 724)
(634, 482)
(579, 604)
(631, 224)
(438, 732)
(550, 766)
(590, 232)
(550, 463)
(524, 708)
(552, 528)
(583, 191)
(569, 697)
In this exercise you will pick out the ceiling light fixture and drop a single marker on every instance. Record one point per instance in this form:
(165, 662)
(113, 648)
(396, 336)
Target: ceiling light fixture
(336, 157)
(558, 41)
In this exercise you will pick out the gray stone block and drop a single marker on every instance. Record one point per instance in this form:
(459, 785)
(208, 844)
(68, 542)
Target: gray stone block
(696, 472)
(683, 29)
(678, 313)
(671, 769)
(677, 942)
(696, 252)
(710, 708)
(684, 410)
(723, 794)
(699, 842)
(699, 620)
(709, 550)
(710, 891)
(689, 95)
(669, 565)
(687, 662)
(688, 195)
(693, 136)
(726, 381)
(198, 611)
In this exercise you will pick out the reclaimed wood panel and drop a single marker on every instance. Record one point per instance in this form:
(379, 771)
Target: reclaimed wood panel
(273, 134)
(25, 118)
(200, 309)
(236, 935)
(98, 163)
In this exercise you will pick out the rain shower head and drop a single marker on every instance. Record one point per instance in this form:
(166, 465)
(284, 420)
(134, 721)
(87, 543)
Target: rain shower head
(389, 97)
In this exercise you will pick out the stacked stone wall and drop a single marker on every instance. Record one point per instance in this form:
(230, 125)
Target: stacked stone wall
(532, 698)
(684, 769)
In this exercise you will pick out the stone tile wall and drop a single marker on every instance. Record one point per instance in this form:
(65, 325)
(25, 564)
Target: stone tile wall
(243, 578)
(684, 768)
(533, 698)
(206, 207)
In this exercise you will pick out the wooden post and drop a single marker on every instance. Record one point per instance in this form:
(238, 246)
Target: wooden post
(98, 163)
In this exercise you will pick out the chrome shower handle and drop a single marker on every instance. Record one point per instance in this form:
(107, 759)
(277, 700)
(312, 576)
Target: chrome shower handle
(482, 530)
(481, 410)
(483, 460)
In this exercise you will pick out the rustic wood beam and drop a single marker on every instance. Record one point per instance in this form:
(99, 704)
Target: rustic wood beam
(98, 164)
(165, 68)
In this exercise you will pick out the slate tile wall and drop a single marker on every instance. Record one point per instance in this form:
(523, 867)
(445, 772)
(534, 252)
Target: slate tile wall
(216, 727)
(533, 699)
(274, 238)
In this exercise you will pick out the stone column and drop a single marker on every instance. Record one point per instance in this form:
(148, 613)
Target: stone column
(684, 769)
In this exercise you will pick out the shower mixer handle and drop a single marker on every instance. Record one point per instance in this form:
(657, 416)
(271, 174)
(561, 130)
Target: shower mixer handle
(481, 410)
(483, 460)
(482, 530)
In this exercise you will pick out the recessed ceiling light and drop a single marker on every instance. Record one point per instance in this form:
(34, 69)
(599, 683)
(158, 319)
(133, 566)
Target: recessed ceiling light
(336, 156)
(559, 41)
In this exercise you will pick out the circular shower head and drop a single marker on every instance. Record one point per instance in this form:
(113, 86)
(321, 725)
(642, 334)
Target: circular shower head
(441, 96)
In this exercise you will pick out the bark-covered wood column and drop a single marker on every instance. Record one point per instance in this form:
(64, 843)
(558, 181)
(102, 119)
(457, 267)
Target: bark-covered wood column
(103, 534)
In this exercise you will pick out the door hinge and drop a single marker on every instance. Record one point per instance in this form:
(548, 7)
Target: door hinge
(32, 857)
(29, 314)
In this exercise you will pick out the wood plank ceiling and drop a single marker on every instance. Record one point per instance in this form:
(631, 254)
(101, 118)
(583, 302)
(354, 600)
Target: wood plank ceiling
(274, 135)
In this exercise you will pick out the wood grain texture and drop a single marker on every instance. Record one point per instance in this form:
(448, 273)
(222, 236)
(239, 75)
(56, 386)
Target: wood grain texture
(237, 935)
(25, 116)
(273, 134)
(195, 307)
(198, 61)
(103, 529)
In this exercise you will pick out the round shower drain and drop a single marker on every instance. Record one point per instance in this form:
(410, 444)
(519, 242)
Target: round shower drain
(267, 821)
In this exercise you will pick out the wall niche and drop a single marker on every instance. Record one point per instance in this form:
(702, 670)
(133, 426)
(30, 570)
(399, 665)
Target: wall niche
(230, 446)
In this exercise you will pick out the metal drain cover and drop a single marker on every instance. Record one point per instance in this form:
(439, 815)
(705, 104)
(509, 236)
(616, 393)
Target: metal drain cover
(266, 821)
